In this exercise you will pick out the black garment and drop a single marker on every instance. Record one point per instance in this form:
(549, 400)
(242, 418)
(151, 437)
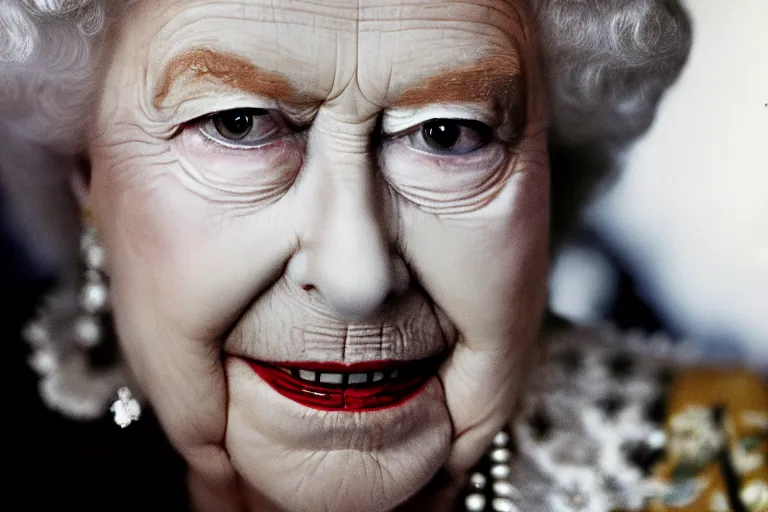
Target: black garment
(51, 463)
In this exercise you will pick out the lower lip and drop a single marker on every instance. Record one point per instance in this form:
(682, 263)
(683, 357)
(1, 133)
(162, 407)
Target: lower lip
(350, 398)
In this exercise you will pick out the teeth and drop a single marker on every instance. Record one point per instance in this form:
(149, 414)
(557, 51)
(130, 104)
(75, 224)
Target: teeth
(307, 375)
(331, 378)
(338, 378)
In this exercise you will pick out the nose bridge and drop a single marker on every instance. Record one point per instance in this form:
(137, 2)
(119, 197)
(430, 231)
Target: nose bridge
(347, 247)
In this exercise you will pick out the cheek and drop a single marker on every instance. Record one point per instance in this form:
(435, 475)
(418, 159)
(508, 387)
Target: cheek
(198, 260)
(496, 256)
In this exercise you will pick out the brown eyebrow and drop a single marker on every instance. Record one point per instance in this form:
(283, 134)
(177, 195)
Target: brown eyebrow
(491, 80)
(237, 72)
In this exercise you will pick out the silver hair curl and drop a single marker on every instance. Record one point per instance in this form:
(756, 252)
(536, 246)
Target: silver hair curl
(608, 63)
(48, 50)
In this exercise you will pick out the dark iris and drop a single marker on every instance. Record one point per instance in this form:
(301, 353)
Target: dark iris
(441, 134)
(233, 124)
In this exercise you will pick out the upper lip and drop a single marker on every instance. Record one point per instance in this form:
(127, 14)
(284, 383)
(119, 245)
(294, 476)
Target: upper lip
(410, 328)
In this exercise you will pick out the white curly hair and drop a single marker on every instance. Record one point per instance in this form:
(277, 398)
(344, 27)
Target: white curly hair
(608, 63)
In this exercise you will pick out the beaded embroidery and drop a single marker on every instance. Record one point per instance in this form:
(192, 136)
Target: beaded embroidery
(588, 431)
(620, 422)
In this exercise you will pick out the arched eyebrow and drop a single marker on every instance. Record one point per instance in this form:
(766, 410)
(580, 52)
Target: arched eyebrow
(205, 65)
(493, 80)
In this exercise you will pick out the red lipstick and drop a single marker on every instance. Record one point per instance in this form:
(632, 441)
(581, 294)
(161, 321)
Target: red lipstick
(348, 387)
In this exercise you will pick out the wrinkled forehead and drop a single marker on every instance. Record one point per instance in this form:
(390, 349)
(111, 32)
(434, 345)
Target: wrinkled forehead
(320, 47)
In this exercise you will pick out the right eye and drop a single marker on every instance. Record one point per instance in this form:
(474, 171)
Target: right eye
(454, 137)
(243, 128)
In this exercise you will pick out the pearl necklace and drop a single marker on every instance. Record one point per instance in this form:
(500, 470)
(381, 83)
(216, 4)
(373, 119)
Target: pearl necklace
(496, 480)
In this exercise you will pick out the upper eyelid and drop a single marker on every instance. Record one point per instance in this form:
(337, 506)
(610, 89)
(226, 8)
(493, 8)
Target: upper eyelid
(289, 121)
(208, 117)
(198, 121)
(199, 107)
(195, 109)
(401, 121)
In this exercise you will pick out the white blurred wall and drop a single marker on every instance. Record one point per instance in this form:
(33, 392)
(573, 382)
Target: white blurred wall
(690, 212)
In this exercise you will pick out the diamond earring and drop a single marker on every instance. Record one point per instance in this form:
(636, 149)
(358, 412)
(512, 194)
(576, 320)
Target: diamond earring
(126, 409)
(74, 347)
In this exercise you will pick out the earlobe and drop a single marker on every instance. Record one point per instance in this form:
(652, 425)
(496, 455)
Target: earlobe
(80, 180)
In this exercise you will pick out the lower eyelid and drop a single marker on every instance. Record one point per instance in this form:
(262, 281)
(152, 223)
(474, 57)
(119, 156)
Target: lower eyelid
(235, 145)
(217, 145)
(447, 157)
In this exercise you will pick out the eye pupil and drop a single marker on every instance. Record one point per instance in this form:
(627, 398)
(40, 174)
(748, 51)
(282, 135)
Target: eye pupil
(233, 124)
(441, 134)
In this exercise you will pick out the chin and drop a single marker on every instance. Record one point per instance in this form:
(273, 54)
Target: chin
(350, 456)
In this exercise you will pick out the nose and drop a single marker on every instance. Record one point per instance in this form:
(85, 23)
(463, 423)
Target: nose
(345, 250)
(351, 267)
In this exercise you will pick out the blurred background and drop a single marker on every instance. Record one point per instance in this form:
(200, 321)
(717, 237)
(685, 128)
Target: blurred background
(679, 240)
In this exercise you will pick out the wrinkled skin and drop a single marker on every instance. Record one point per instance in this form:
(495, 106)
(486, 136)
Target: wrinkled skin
(335, 234)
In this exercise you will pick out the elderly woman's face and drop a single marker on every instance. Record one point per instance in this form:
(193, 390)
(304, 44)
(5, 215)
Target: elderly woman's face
(327, 229)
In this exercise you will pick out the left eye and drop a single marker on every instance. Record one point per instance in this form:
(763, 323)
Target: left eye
(250, 127)
(450, 136)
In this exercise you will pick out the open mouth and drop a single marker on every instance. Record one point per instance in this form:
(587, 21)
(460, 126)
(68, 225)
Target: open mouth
(348, 387)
